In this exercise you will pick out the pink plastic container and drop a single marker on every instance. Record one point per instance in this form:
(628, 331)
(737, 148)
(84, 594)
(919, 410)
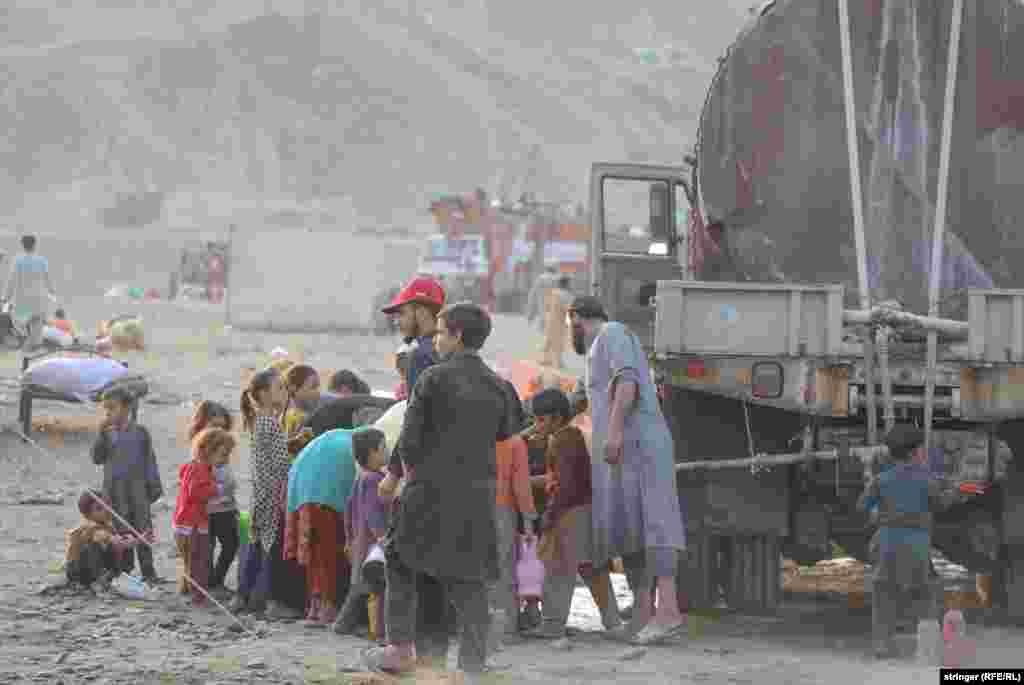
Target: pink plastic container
(529, 571)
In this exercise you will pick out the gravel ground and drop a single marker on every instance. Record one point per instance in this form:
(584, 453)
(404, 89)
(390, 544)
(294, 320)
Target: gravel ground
(54, 637)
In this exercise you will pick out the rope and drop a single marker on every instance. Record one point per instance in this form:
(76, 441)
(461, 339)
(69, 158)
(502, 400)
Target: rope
(139, 537)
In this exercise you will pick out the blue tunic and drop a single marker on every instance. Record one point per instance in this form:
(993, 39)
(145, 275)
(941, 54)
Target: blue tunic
(901, 495)
(636, 505)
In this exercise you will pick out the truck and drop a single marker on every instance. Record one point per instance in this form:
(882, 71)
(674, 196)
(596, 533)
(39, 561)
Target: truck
(493, 252)
(838, 254)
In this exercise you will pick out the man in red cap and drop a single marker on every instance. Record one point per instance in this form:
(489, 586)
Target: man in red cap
(417, 307)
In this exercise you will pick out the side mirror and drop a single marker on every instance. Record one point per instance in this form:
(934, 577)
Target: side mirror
(661, 228)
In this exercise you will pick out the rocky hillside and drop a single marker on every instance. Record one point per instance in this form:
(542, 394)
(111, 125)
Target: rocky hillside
(370, 105)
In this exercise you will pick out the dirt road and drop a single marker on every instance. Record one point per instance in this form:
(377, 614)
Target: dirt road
(56, 638)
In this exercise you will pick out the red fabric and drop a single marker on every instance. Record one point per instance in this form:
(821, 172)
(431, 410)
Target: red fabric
(196, 487)
(999, 101)
(422, 289)
(315, 537)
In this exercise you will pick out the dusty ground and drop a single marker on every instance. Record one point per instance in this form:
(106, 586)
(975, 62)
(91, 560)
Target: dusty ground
(52, 638)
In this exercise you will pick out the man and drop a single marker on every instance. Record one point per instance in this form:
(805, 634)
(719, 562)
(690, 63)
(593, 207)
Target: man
(417, 307)
(900, 501)
(538, 295)
(636, 510)
(445, 523)
(556, 306)
(30, 291)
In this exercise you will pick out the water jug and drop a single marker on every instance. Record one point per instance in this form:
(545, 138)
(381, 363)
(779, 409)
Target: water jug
(529, 570)
(243, 528)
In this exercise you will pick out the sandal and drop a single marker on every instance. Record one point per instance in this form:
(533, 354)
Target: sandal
(657, 635)
(374, 659)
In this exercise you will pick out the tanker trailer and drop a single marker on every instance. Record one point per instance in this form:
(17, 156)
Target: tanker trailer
(789, 331)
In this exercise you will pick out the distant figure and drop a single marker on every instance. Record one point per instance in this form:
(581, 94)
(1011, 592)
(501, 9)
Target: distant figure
(538, 295)
(30, 290)
(556, 328)
(216, 279)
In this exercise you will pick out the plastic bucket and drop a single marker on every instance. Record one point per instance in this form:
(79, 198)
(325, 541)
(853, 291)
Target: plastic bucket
(243, 527)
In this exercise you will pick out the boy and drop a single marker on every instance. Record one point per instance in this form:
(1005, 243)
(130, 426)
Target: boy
(566, 545)
(131, 479)
(93, 548)
(900, 500)
(514, 498)
(365, 525)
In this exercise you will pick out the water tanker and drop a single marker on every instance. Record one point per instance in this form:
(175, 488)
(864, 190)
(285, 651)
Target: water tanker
(790, 307)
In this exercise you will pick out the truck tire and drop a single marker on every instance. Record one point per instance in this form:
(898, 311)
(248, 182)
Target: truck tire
(696, 581)
(753, 575)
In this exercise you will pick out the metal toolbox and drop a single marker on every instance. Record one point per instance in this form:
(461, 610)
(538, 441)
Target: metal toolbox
(748, 319)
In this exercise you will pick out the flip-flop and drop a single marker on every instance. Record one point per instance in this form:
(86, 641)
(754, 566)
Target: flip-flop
(372, 659)
(656, 635)
(620, 633)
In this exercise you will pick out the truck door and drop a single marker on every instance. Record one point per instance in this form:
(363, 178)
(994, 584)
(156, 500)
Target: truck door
(638, 238)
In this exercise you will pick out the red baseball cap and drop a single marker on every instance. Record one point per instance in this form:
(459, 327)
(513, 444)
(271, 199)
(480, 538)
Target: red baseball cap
(423, 290)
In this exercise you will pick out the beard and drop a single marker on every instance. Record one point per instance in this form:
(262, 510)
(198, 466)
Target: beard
(579, 342)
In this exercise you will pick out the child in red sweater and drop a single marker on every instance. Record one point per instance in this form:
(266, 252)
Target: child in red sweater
(191, 522)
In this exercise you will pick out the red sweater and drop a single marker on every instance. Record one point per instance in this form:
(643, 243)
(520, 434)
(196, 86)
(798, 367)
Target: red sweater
(196, 486)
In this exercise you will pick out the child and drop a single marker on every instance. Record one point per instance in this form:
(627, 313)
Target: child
(365, 525)
(131, 479)
(302, 384)
(901, 499)
(60, 322)
(346, 383)
(261, 405)
(320, 485)
(94, 550)
(223, 509)
(566, 525)
(513, 499)
(191, 521)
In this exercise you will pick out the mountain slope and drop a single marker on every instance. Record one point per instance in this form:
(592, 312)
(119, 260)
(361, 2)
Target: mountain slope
(388, 103)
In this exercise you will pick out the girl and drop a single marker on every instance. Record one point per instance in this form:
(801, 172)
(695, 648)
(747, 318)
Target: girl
(566, 524)
(261, 405)
(191, 521)
(365, 525)
(223, 509)
(319, 485)
(514, 499)
(131, 478)
(302, 383)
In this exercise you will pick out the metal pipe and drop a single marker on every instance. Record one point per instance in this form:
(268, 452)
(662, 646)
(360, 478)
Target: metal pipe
(941, 197)
(944, 402)
(866, 454)
(888, 416)
(897, 318)
(857, 202)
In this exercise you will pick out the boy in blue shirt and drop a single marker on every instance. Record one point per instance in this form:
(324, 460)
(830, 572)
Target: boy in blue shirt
(900, 500)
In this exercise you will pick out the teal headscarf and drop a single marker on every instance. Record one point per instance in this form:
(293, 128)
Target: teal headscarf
(324, 472)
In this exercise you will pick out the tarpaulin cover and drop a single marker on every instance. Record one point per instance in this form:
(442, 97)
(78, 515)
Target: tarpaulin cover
(774, 167)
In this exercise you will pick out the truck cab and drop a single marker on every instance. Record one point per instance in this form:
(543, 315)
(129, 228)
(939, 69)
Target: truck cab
(638, 237)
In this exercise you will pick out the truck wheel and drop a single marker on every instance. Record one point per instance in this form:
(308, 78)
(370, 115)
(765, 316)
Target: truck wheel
(753, 576)
(696, 581)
